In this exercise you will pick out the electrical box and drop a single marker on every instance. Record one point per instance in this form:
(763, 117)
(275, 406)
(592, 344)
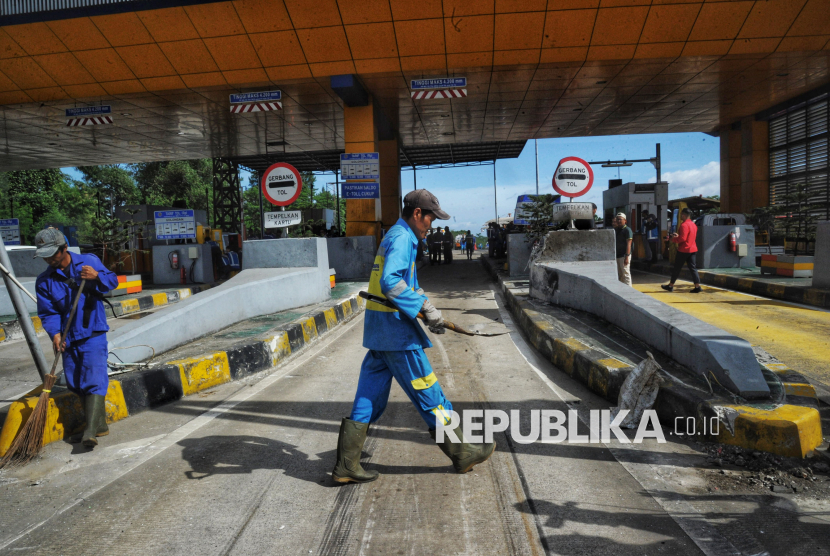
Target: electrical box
(193, 253)
(743, 249)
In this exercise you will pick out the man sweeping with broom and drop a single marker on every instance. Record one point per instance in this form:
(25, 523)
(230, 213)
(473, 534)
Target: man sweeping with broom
(85, 346)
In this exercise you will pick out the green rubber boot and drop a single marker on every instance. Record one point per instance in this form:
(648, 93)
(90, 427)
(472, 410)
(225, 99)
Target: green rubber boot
(464, 455)
(96, 419)
(349, 446)
(75, 438)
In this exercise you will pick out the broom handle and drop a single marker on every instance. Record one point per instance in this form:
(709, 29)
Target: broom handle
(68, 324)
(387, 303)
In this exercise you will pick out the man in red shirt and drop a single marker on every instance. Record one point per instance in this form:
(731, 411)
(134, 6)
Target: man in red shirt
(686, 249)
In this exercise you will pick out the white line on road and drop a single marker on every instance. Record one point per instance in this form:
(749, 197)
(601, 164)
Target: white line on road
(705, 536)
(172, 438)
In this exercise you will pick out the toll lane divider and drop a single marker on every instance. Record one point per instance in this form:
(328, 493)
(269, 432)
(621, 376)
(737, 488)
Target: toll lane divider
(784, 292)
(11, 330)
(788, 425)
(137, 391)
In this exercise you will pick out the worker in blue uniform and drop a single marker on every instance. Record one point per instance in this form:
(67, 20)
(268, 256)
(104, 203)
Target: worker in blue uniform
(396, 342)
(85, 346)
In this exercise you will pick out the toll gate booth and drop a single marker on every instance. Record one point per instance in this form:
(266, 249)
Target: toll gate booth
(632, 199)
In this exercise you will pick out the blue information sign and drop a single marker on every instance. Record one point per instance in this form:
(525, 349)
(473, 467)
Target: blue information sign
(360, 166)
(10, 231)
(88, 111)
(262, 96)
(175, 224)
(361, 190)
(439, 83)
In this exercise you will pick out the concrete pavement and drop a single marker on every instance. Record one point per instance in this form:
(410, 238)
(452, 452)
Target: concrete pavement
(244, 469)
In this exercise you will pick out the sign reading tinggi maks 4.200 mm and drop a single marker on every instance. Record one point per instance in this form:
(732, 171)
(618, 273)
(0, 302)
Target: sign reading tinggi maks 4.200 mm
(281, 184)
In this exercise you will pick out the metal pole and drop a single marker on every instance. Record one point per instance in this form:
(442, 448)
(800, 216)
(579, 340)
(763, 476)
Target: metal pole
(415, 176)
(23, 315)
(658, 163)
(337, 186)
(495, 198)
(536, 143)
(261, 210)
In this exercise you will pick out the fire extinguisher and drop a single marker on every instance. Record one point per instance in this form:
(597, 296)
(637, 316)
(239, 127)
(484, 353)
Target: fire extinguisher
(174, 259)
(733, 241)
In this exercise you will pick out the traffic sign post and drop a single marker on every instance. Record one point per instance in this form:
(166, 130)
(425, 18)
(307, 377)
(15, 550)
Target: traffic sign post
(573, 177)
(281, 184)
(10, 231)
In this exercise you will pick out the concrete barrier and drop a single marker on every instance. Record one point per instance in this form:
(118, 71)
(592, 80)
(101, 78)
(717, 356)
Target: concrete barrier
(518, 255)
(821, 265)
(6, 306)
(352, 257)
(277, 275)
(575, 271)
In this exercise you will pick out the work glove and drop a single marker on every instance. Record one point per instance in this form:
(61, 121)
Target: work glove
(435, 321)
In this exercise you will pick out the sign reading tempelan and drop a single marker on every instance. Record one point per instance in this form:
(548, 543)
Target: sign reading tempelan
(283, 219)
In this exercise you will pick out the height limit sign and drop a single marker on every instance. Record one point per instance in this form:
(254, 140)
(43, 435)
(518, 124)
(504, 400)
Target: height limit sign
(573, 177)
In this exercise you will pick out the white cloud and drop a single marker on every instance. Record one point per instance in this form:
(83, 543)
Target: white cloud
(691, 183)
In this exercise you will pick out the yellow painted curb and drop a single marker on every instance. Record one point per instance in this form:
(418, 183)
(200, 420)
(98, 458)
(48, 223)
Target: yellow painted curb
(331, 318)
(65, 415)
(201, 373)
(160, 299)
(129, 306)
(309, 329)
(787, 430)
(564, 352)
(279, 347)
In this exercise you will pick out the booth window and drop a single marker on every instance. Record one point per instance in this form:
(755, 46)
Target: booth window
(798, 153)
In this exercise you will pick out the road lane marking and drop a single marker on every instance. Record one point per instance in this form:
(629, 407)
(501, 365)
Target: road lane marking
(172, 438)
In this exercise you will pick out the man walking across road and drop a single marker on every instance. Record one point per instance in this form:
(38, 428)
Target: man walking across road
(85, 346)
(470, 240)
(396, 343)
(686, 240)
(624, 237)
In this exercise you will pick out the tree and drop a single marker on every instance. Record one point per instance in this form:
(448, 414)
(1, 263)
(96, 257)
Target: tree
(539, 216)
(35, 196)
(114, 185)
(163, 183)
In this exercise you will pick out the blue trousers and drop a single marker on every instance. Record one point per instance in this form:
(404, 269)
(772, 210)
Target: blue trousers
(85, 365)
(413, 372)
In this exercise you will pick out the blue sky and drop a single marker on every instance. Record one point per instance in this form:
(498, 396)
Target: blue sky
(690, 165)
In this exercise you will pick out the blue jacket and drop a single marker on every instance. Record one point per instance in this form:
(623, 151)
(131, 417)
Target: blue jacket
(394, 277)
(55, 296)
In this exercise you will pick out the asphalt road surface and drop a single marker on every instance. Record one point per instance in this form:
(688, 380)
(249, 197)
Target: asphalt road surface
(245, 469)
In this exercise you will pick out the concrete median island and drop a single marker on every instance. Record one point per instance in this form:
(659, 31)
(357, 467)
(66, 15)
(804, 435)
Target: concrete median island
(589, 348)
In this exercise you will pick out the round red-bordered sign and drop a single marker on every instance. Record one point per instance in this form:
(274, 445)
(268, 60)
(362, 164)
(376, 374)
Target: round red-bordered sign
(281, 184)
(573, 177)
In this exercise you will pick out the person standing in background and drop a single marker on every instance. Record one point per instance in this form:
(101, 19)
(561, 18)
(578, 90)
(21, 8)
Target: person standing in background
(470, 243)
(624, 237)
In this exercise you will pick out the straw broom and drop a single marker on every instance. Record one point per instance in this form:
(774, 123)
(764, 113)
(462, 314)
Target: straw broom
(29, 442)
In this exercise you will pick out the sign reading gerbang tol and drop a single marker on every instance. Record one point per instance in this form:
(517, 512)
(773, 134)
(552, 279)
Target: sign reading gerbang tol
(573, 177)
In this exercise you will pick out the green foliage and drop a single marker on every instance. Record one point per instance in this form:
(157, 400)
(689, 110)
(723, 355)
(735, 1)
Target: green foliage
(114, 184)
(540, 216)
(162, 183)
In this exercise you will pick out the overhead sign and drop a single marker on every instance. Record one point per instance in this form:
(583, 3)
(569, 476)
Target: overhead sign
(361, 190)
(263, 101)
(439, 83)
(10, 230)
(175, 224)
(360, 166)
(281, 184)
(283, 218)
(442, 87)
(565, 212)
(573, 177)
(88, 115)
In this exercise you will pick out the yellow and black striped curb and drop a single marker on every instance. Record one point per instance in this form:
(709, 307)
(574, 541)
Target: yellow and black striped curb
(787, 425)
(131, 393)
(784, 292)
(11, 330)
